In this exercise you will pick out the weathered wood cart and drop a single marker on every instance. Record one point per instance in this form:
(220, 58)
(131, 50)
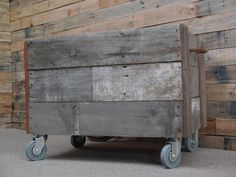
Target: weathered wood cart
(132, 83)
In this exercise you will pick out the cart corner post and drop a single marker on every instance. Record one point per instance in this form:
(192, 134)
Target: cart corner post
(26, 87)
(187, 117)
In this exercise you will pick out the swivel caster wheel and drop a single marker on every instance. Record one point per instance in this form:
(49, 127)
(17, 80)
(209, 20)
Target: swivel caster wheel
(77, 141)
(191, 143)
(168, 159)
(36, 149)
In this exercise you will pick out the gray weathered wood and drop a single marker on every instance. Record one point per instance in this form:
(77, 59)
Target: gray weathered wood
(194, 81)
(210, 7)
(156, 44)
(160, 81)
(133, 119)
(218, 39)
(61, 85)
(195, 114)
(222, 109)
(202, 90)
(186, 82)
(53, 118)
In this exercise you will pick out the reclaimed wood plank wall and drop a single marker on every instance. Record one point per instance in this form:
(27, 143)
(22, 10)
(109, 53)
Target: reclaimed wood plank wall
(214, 21)
(5, 66)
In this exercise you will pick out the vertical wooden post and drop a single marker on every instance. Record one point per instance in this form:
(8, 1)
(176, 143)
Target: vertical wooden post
(26, 88)
(186, 80)
(202, 89)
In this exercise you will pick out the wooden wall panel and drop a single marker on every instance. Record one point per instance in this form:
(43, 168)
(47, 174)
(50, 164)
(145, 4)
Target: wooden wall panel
(212, 20)
(5, 66)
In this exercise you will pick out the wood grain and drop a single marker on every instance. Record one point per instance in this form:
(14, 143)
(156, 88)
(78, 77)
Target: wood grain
(55, 119)
(210, 7)
(136, 119)
(221, 92)
(225, 127)
(226, 109)
(157, 44)
(60, 85)
(218, 39)
(221, 57)
(221, 74)
(137, 82)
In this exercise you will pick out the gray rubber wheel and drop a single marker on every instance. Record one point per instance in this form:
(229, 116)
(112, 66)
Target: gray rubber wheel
(166, 158)
(31, 156)
(77, 141)
(190, 144)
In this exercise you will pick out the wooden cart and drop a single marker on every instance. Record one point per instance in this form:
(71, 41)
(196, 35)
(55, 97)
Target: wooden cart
(133, 83)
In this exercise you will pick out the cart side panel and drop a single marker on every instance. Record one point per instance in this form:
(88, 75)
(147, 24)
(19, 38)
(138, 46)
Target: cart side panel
(53, 118)
(132, 119)
(159, 81)
(147, 45)
(61, 85)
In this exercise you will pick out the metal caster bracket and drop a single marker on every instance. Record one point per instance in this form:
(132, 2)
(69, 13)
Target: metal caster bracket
(39, 144)
(175, 148)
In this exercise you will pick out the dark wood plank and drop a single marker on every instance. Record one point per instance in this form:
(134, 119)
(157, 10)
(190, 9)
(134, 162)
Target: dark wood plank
(52, 118)
(226, 127)
(221, 74)
(226, 109)
(156, 44)
(60, 85)
(186, 82)
(160, 81)
(218, 142)
(132, 119)
(26, 88)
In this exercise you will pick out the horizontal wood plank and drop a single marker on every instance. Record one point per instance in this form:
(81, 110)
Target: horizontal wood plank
(217, 22)
(221, 74)
(109, 3)
(218, 39)
(40, 7)
(221, 57)
(226, 127)
(210, 7)
(60, 85)
(56, 14)
(225, 109)
(17, 4)
(221, 92)
(218, 142)
(6, 82)
(5, 36)
(5, 46)
(136, 119)
(55, 119)
(161, 81)
(122, 47)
